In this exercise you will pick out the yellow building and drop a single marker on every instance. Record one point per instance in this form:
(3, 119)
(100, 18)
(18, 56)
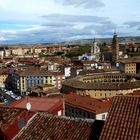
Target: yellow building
(101, 85)
(32, 77)
(128, 67)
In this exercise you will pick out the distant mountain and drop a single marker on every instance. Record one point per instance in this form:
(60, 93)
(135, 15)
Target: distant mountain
(129, 39)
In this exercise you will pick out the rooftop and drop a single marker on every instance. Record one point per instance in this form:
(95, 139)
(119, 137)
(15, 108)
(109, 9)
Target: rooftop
(74, 83)
(89, 104)
(55, 128)
(137, 92)
(44, 104)
(8, 116)
(44, 90)
(100, 71)
(123, 120)
(35, 72)
(130, 60)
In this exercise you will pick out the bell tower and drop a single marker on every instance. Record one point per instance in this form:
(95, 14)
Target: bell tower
(115, 48)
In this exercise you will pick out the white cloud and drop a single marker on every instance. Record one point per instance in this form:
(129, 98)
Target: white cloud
(75, 18)
(133, 24)
(82, 3)
(2, 38)
(66, 19)
(58, 27)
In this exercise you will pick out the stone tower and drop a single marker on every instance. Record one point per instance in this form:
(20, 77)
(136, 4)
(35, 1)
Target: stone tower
(115, 48)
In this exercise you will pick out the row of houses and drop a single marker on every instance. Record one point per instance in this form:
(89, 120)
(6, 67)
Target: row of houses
(34, 50)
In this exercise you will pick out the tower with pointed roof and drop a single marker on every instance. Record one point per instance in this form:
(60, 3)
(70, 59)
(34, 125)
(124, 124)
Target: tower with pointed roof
(115, 48)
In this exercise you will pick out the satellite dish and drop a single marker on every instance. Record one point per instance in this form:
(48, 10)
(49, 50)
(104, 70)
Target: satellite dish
(28, 106)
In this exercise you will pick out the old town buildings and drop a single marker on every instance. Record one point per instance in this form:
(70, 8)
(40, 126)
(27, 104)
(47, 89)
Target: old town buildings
(84, 91)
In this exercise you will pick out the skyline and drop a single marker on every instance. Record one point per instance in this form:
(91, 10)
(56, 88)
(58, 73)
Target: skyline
(44, 21)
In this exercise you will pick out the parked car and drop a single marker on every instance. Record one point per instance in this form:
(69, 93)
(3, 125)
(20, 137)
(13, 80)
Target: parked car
(14, 96)
(5, 101)
(5, 90)
(8, 93)
(18, 98)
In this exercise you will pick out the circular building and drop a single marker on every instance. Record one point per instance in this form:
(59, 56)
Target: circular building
(102, 85)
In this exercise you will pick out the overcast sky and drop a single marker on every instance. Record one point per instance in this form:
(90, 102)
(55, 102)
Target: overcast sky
(35, 21)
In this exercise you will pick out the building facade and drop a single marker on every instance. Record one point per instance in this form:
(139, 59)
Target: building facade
(128, 67)
(23, 81)
(85, 107)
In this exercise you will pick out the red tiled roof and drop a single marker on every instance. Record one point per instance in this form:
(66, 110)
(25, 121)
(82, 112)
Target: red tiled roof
(35, 72)
(88, 104)
(46, 104)
(44, 127)
(56, 73)
(137, 92)
(123, 120)
(10, 121)
(8, 116)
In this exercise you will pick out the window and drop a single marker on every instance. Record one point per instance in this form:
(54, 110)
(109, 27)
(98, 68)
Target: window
(103, 117)
(84, 114)
(72, 110)
(88, 115)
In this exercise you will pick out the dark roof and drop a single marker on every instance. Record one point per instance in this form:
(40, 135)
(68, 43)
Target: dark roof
(99, 71)
(101, 85)
(130, 60)
(35, 72)
(123, 120)
(55, 128)
(8, 116)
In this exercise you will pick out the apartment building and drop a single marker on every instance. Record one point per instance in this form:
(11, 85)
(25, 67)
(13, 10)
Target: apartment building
(85, 107)
(128, 67)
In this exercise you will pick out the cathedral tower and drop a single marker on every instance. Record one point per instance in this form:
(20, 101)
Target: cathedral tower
(115, 48)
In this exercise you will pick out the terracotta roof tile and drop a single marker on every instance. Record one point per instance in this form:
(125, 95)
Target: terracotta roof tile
(88, 104)
(55, 128)
(8, 116)
(35, 72)
(123, 120)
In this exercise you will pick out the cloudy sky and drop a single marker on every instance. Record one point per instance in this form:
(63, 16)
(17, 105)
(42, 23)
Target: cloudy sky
(40, 21)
